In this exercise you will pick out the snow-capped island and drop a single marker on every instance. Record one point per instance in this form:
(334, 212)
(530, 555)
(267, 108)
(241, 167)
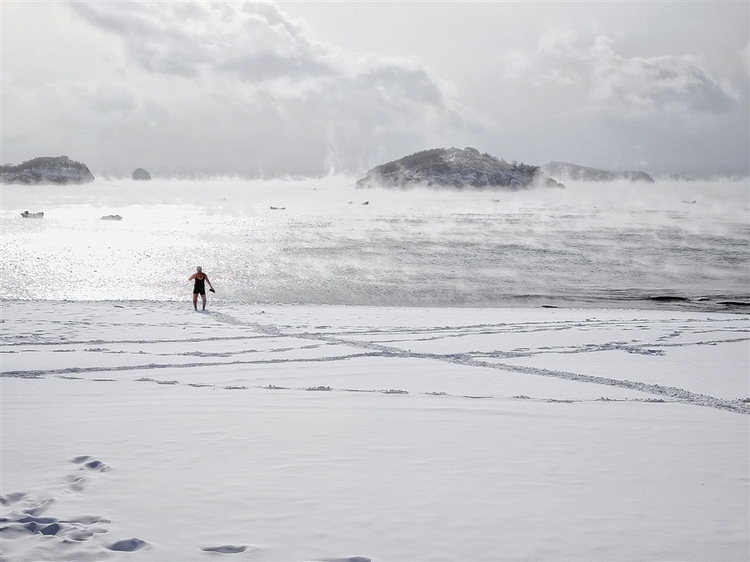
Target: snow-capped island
(565, 171)
(46, 169)
(455, 167)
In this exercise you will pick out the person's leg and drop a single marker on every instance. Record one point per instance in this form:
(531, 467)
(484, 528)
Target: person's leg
(195, 301)
(203, 296)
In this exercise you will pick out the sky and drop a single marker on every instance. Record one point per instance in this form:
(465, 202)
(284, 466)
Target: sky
(308, 88)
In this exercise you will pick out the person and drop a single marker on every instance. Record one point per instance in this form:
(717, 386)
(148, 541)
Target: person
(200, 286)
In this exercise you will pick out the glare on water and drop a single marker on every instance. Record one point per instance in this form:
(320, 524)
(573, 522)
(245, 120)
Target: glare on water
(324, 241)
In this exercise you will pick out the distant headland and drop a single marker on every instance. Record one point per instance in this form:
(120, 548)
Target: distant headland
(47, 169)
(457, 168)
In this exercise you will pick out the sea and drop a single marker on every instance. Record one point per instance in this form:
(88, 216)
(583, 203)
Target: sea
(682, 245)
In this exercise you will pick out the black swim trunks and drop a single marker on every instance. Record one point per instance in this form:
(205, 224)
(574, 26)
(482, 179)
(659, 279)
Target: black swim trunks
(200, 286)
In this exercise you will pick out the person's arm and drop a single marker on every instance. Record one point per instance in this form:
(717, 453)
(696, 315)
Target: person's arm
(192, 277)
(209, 282)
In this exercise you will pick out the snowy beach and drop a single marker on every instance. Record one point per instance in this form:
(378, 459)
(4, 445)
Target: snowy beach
(324, 432)
(433, 375)
(478, 281)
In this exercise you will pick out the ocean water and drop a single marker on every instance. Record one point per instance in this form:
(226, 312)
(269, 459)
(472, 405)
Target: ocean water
(322, 241)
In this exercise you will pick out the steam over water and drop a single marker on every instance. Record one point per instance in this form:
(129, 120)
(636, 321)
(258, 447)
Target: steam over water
(315, 241)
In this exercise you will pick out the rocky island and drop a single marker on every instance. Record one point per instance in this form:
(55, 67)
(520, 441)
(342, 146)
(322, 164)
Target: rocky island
(60, 170)
(564, 171)
(457, 168)
(141, 175)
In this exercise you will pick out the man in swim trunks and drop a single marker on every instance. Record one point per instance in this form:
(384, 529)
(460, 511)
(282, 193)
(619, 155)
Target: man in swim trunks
(200, 286)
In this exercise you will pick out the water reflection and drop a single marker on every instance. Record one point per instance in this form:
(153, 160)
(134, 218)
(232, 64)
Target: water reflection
(312, 241)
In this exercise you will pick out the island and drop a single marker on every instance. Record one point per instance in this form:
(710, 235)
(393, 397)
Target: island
(565, 171)
(47, 169)
(141, 175)
(455, 168)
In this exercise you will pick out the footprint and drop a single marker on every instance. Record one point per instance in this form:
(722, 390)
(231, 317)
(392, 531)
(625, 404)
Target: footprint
(127, 545)
(226, 549)
(39, 509)
(9, 499)
(51, 529)
(76, 483)
(99, 466)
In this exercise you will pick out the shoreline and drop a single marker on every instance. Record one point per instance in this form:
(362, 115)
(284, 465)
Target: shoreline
(735, 305)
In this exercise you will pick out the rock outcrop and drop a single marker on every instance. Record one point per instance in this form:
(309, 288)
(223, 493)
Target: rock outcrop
(457, 168)
(56, 169)
(564, 171)
(141, 174)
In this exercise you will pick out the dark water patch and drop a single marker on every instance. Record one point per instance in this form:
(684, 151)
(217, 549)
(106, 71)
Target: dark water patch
(735, 303)
(669, 298)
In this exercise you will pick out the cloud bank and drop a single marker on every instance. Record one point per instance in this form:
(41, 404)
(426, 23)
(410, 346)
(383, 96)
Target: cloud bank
(191, 88)
(591, 90)
(634, 87)
(236, 88)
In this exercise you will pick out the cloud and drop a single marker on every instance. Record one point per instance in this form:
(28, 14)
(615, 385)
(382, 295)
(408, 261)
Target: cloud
(632, 88)
(242, 88)
(252, 40)
(670, 85)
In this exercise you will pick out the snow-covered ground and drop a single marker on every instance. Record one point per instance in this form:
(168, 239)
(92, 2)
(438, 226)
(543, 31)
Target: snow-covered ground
(329, 432)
